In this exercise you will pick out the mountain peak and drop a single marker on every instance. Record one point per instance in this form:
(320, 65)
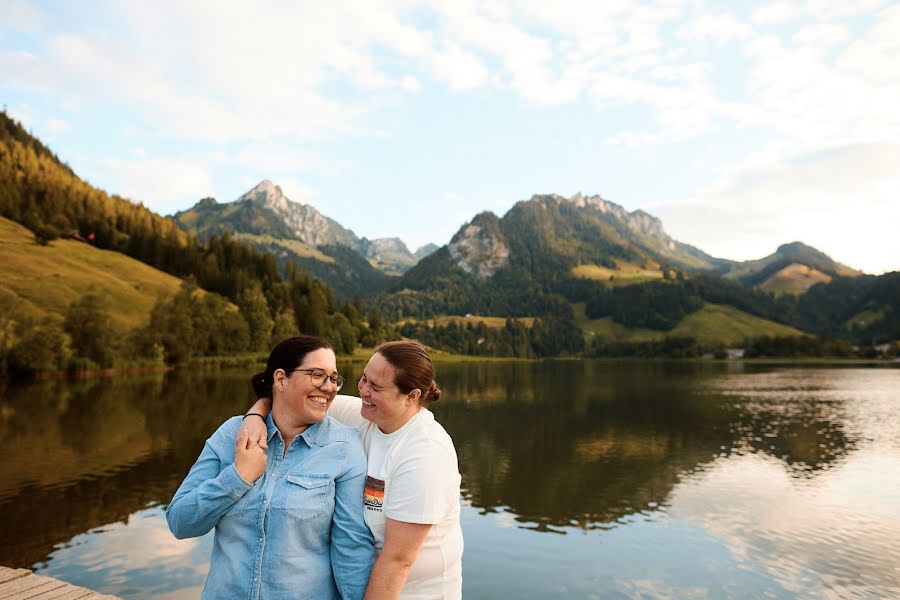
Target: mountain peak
(793, 247)
(266, 193)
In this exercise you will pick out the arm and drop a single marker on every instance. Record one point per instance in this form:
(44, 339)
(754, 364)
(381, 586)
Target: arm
(401, 547)
(424, 490)
(352, 544)
(344, 409)
(213, 485)
(254, 428)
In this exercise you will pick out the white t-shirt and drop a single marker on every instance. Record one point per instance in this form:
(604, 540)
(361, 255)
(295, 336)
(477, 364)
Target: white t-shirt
(413, 476)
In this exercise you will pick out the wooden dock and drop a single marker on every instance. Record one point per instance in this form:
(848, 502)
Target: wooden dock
(19, 584)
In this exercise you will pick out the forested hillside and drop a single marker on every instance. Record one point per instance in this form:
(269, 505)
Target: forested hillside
(234, 299)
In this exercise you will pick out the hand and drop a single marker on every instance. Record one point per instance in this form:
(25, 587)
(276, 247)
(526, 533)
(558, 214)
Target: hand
(253, 431)
(249, 460)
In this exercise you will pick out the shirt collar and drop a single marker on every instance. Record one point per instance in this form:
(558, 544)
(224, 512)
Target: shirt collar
(310, 435)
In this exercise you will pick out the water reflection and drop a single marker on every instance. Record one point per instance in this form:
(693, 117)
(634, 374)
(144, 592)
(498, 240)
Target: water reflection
(692, 479)
(93, 452)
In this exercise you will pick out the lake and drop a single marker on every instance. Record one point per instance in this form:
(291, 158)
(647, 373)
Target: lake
(581, 479)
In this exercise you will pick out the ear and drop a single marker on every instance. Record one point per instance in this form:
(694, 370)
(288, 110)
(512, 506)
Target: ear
(414, 395)
(278, 378)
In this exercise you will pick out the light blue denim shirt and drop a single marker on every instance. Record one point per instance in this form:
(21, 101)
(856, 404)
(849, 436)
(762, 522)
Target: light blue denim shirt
(297, 532)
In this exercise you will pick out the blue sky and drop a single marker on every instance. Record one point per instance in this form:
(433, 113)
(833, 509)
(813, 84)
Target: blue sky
(741, 126)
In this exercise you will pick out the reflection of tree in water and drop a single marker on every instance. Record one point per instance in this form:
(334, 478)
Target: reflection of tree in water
(575, 443)
(561, 443)
(806, 439)
(93, 452)
(584, 444)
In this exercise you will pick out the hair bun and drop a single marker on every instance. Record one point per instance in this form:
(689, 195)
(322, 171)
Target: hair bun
(262, 385)
(434, 393)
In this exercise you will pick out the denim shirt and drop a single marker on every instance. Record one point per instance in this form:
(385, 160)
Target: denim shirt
(297, 532)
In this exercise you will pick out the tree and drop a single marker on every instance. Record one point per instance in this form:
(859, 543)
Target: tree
(255, 310)
(92, 332)
(284, 326)
(42, 346)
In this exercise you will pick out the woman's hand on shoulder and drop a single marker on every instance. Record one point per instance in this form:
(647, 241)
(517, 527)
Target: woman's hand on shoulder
(249, 459)
(253, 428)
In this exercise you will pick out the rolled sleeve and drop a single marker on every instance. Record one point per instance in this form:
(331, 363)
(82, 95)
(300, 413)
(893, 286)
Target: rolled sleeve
(210, 489)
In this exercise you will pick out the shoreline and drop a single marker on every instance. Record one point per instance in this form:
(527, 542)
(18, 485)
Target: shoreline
(361, 355)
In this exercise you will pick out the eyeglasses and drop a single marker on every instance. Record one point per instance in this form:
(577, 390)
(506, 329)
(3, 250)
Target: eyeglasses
(318, 378)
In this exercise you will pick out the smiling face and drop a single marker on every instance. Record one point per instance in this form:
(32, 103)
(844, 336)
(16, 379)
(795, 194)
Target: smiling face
(297, 399)
(382, 402)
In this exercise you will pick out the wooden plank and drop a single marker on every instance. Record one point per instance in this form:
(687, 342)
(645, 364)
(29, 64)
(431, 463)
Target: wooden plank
(69, 592)
(7, 574)
(53, 585)
(66, 592)
(21, 588)
(22, 584)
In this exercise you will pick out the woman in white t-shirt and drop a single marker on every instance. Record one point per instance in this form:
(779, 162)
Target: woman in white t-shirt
(412, 489)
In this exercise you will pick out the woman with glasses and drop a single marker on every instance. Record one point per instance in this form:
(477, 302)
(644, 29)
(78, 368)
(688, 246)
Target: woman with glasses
(412, 488)
(288, 521)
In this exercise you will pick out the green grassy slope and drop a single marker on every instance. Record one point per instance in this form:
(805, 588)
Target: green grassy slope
(38, 280)
(713, 323)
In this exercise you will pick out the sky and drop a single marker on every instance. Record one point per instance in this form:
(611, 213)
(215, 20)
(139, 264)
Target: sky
(742, 126)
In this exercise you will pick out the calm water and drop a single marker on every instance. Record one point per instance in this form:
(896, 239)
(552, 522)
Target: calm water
(580, 479)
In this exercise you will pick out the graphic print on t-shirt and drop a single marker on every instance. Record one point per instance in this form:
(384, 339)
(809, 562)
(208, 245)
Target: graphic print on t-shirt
(374, 494)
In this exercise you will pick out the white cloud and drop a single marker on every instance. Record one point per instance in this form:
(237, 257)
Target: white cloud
(298, 191)
(822, 35)
(167, 184)
(272, 90)
(411, 84)
(720, 28)
(460, 69)
(20, 15)
(776, 13)
(842, 202)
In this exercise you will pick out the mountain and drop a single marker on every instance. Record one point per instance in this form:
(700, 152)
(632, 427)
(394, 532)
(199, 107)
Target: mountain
(424, 251)
(267, 218)
(550, 232)
(792, 269)
(541, 249)
(389, 255)
(550, 253)
(265, 210)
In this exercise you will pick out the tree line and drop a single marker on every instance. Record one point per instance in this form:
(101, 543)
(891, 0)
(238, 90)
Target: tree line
(187, 326)
(548, 336)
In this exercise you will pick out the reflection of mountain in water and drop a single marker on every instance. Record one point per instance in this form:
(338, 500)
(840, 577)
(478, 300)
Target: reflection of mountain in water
(585, 443)
(556, 443)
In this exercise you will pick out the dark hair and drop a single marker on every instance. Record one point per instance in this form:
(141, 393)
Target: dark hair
(413, 369)
(287, 355)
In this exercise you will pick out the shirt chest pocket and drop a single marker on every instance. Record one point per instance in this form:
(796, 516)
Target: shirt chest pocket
(306, 497)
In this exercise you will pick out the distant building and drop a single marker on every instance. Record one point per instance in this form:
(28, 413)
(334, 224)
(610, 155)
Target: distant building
(734, 353)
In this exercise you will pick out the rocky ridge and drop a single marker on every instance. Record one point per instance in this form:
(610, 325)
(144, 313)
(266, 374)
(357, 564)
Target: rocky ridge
(479, 247)
(266, 210)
